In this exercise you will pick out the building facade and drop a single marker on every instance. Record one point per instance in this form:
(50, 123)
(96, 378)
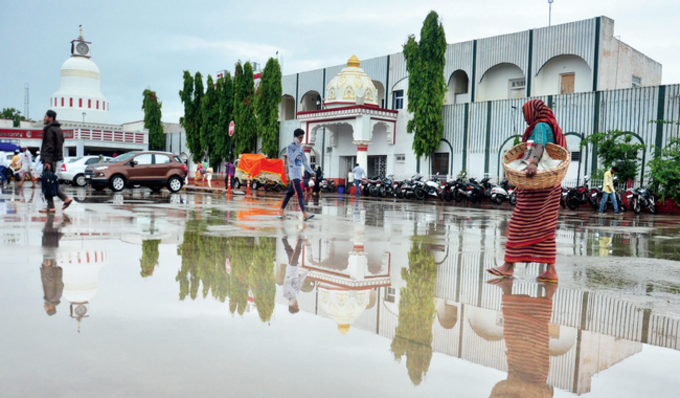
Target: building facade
(593, 81)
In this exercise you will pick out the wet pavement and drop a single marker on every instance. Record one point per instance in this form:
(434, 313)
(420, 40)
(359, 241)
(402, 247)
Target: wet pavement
(194, 294)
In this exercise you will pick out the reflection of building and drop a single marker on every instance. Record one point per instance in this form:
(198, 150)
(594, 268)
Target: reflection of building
(81, 279)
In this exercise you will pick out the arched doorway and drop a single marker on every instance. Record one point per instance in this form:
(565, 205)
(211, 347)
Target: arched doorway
(458, 88)
(287, 108)
(311, 101)
(563, 74)
(502, 81)
(381, 93)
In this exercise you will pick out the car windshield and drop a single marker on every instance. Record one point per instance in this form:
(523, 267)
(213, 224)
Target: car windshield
(124, 157)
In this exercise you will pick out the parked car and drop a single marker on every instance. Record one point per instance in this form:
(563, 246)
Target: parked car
(153, 169)
(72, 171)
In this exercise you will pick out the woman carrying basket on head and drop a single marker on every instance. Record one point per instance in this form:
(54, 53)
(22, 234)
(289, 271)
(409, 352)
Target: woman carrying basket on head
(531, 234)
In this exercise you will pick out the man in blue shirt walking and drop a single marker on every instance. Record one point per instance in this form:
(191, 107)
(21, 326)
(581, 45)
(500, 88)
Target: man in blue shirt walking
(296, 159)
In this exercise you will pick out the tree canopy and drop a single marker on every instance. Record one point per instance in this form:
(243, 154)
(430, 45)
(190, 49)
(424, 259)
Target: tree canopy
(191, 114)
(425, 61)
(226, 103)
(267, 106)
(13, 114)
(152, 120)
(210, 118)
(245, 132)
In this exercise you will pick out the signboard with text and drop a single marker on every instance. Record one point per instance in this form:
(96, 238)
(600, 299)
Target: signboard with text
(18, 134)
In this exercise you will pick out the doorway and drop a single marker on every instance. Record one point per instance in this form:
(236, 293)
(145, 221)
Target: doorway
(567, 83)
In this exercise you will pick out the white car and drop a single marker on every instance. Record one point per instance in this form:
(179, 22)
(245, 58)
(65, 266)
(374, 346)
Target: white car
(73, 169)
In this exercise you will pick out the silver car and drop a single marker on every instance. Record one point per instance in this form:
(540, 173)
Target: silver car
(72, 171)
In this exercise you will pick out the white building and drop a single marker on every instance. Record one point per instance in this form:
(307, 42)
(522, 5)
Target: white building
(593, 81)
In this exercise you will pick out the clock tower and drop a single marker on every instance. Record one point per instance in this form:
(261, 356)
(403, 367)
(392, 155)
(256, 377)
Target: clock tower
(79, 47)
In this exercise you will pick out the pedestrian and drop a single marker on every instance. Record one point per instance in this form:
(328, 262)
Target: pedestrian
(319, 178)
(531, 233)
(350, 181)
(52, 151)
(26, 167)
(200, 172)
(229, 167)
(359, 174)
(608, 190)
(37, 166)
(296, 160)
(292, 282)
(208, 176)
(15, 166)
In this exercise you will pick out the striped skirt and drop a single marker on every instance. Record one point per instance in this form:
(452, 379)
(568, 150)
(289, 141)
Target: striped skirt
(531, 234)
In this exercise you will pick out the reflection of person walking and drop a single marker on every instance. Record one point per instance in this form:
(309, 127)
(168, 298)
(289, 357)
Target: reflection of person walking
(50, 273)
(526, 332)
(296, 159)
(52, 151)
(531, 234)
(292, 282)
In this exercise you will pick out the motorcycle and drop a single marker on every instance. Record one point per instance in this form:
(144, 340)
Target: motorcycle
(451, 188)
(472, 191)
(499, 192)
(406, 187)
(327, 185)
(639, 198)
(575, 197)
(375, 187)
(431, 187)
(271, 185)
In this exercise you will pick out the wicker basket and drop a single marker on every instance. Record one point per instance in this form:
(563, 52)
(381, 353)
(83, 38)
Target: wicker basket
(543, 178)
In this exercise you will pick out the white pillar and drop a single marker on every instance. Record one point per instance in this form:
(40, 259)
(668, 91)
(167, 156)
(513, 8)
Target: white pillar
(362, 154)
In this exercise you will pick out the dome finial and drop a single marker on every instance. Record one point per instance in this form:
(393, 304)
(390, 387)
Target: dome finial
(354, 62)
(343, 328)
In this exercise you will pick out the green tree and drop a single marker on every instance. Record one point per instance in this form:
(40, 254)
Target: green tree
(615, 148)
(413, 336)
(11, 113)
(152, 120)
(226, 99)
(191, 114)
(425, 61)
(150, 255)
(241, 250)
(199, 92)
(245, 132)
(210, 129)
(267, 105)
(665, 171)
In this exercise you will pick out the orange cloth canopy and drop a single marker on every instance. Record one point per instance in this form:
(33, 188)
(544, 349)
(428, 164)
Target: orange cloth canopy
(254, 164)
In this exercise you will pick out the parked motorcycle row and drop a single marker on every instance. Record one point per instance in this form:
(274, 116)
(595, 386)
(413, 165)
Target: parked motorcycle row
(638, 198)
(420, 188)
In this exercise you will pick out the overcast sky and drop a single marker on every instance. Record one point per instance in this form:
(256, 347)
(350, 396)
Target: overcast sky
(140, 44)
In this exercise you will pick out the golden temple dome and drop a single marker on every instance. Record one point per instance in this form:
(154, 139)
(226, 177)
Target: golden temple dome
(352, 86)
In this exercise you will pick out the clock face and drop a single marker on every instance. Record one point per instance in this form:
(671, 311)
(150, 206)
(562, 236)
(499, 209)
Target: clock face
(82, 48)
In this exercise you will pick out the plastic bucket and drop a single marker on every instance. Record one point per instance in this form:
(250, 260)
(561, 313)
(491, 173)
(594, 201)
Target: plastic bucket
(341, 190)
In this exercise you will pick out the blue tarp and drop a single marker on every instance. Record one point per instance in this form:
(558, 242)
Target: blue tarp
(7, 147)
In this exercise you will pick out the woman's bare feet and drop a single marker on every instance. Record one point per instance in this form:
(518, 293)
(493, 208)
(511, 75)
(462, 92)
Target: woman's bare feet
(505, 271)
(550, 274)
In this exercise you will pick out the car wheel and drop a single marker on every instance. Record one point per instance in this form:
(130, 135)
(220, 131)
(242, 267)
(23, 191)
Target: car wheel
(117, 183)
(174, 184)
(255, 184)
(79, 180)
(237, 184)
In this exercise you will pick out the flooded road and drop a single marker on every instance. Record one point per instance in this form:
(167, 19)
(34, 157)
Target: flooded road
(142, 294)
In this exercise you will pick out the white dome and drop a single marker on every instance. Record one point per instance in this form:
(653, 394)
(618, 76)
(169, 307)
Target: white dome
(80, 63)
(349, 85)
(343, 306)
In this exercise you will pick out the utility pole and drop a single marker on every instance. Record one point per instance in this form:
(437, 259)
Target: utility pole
(27, 107)
(550, 12)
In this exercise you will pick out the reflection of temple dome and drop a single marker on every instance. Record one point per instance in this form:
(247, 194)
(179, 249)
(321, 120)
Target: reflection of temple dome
(81, 274)
(562, 338)
(343, 306)
(487, 324)
(349, 85)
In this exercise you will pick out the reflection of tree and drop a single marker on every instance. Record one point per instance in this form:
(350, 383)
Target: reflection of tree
(149, 259)
(413, 336)
(261, 278)
(241, 250)
(203, 262)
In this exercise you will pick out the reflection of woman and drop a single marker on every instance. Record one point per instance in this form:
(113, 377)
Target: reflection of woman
(525, 329)
(531, 234)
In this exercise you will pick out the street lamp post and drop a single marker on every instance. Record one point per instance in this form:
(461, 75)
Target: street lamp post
(550, 12)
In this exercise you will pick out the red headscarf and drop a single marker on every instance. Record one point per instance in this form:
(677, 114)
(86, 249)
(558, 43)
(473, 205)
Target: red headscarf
(536, 111)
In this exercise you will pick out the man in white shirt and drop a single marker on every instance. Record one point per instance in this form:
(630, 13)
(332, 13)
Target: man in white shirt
(359, 174)
(26, 167)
